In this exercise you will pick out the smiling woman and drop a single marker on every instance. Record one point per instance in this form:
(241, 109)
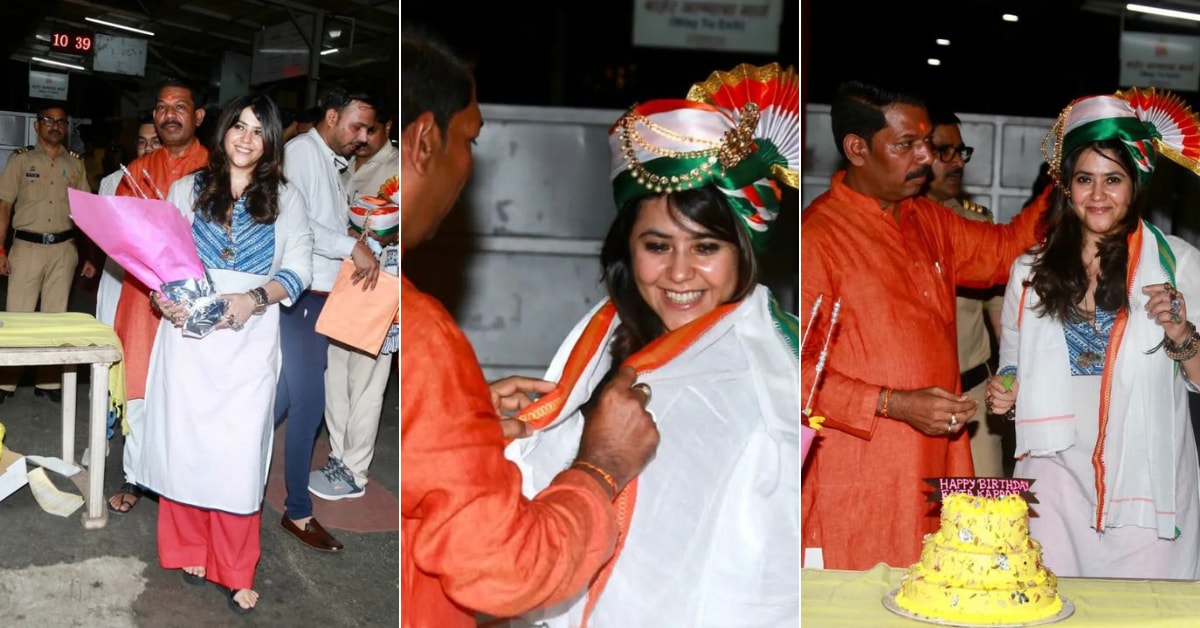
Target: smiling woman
(1097, 337)
(698, 188)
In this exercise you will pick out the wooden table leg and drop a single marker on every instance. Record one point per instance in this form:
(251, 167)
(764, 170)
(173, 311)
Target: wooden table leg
(96, 515)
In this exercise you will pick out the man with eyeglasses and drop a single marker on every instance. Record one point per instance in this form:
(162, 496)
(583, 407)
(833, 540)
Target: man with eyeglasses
(41, 265)
(945, 187)
(889, 384)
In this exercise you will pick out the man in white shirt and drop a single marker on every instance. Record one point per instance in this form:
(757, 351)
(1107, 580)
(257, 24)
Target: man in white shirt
(355, 381)
(312, 164)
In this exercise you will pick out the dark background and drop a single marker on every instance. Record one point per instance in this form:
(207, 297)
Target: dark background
(1058, 51)
(576, 54)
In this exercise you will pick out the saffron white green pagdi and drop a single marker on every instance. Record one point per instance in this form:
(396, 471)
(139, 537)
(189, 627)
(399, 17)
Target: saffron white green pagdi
(379, 213)
(738, 130)
(1148, 121)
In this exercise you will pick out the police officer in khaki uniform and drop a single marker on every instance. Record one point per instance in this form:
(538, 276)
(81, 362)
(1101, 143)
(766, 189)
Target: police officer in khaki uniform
(976, 309)
(42, 260)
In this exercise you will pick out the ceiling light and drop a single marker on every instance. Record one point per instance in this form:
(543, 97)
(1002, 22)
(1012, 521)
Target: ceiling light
(933, 61)
(120, 26)
(1009, 17)
(328, 52)
(943, 42)
(1179, 15)
(58, 63)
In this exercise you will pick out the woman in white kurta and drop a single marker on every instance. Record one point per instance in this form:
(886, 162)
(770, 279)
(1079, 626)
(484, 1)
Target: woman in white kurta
(712, 526)
(209, 400)
(1095, 329)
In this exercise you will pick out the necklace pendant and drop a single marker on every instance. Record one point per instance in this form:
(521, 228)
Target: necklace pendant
(1087, 359)
(227, 254)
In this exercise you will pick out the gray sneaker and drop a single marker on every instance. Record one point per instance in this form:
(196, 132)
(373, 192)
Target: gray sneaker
(334, 481)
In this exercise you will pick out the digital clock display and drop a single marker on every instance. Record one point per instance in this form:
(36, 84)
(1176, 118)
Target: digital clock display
(72, 42)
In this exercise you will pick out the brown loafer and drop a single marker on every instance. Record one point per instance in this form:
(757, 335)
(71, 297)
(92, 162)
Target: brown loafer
(312, 535)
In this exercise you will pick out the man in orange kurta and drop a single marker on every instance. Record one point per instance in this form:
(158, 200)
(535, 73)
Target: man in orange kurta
(176, 116)
(470, 541)
(890, 384)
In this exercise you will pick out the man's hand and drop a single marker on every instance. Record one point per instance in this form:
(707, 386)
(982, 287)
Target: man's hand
(366, 266)
(619, 436)
(930, 410)
(89, 270)
(511, 395)
(5, 267)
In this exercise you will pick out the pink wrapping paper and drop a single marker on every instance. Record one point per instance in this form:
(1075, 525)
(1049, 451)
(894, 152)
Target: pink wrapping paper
(807, 436)
(149, 238)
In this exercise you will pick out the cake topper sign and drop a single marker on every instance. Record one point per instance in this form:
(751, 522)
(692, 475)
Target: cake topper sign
(981, 487)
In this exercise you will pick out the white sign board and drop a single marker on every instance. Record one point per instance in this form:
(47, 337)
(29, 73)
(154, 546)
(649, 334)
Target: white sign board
(119, 55)
(280, 51)
(1159, 60)
(731, 25)
(48, 85)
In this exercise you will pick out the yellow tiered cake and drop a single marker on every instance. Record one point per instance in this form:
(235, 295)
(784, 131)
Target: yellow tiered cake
(981, 567)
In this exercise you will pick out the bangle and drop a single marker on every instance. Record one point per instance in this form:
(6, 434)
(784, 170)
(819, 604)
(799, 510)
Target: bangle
(887, 396)
(3, 251)
(259, 295)
(608, 479)
(1186, 350)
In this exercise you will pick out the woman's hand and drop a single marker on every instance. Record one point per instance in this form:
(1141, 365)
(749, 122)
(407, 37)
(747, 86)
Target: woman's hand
(240, 309)
(999, 399)
(1168, 308)
(173, 311)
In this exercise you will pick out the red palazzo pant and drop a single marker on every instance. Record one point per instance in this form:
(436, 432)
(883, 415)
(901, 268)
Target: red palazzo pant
(227, 545)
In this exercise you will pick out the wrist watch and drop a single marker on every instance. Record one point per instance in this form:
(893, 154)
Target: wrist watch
(259, 295)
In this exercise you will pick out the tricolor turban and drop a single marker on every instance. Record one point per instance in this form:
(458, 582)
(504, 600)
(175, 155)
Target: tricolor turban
(738, 131)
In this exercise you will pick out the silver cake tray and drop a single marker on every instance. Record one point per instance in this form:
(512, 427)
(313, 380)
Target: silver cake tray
(889, 602)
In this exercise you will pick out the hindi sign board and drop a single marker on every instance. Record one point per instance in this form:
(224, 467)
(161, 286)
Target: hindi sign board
(729, 25)
(1160, 60)
(48, 85)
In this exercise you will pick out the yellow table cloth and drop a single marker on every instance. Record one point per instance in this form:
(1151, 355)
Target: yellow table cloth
(854, 599)
(23, 330)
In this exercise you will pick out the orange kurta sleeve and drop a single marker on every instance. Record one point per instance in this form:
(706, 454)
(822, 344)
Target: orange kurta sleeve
(984, 253)
(470, 539)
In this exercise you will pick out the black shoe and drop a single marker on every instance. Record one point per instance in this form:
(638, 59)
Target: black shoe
(52, 395)
(5, 394)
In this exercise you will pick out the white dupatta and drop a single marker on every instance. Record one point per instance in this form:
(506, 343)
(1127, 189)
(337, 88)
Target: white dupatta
(1146, 393)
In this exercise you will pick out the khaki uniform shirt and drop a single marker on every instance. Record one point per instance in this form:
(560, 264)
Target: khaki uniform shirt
(974, 344)
(37, 187)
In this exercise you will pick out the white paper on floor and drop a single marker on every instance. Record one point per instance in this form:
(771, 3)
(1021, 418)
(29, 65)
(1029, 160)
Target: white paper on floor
(14, 474)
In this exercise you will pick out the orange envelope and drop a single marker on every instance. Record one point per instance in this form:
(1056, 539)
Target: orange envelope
(356, 318)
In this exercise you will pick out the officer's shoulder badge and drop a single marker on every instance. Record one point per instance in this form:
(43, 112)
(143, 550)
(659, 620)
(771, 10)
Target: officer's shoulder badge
(976, 208)
(74, 154)
(23, 149)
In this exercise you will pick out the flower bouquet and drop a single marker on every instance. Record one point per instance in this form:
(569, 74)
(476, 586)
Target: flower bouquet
(153, 242)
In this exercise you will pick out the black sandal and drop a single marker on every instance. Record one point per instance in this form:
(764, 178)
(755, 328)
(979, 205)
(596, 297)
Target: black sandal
(233, 604)
(125, 504)
(193, 579)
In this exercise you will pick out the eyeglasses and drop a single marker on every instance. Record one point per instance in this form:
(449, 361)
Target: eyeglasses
(947, 152)
(52, 121)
